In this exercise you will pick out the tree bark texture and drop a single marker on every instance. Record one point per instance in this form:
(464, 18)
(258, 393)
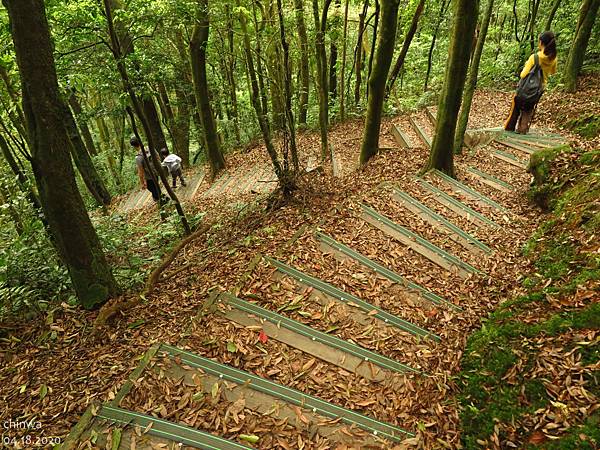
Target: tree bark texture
(405, 46)
(587, 17)
(471, 83)
(382, 61)
(72, 230)
(198, 45)
(465, 18)
(304, 66)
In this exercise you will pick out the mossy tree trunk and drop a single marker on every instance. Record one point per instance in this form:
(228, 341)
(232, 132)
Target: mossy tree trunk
(343, 69)
(198, 45)
(304, 66)
(382, 61)
(587, 18)
(321, 58)
(358, 52)
(471, 84)
(405, 46)
(257, 104)
(72, 230)
(441, 156)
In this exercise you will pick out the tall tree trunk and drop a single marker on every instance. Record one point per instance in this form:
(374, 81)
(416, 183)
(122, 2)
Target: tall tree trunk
(231, 75)
(255, 97)
(198, 45)
(465, 19)
(83, 126)
(405, 46)
(532, 36)
(304, 66)
(108, 151)
(383, 59)
(14, 96)
(22, 179)
(71, 227)
(553, 11)
(116, 47)
(83, 161)
(472, 80)
(321, 57)
(148, 106)
(334, 33)
(587, 17)
(287, 82)
(186, 102)
(343, 70)
(443, 6)
(372, 53)
(359, 53)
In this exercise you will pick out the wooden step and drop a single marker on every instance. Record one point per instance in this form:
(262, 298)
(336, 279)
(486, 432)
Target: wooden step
(399, 136)
(441, 224)
(466, 191)
(510, 159)
(489, 180)
(426, 139)
(418, 244)
(454, 205)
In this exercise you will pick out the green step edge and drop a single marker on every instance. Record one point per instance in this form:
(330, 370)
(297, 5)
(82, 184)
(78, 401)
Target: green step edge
(315, 335)
(510, 156)
(431, 188)
(168, 430)
(424, 242)
(443, 220)
(392, 276)
(345, 297)
(489, 177)
(472, 192)
(287, 394)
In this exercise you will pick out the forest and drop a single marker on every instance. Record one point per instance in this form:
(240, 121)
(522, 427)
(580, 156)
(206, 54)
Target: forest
(289, 224)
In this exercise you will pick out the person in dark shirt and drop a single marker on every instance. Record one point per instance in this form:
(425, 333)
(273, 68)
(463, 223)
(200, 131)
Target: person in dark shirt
(144, 171)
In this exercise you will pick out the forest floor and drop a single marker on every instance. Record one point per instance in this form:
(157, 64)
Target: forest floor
(53, 367)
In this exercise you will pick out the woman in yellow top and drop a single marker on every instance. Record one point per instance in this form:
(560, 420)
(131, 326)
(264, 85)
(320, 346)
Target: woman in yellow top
(520, 116)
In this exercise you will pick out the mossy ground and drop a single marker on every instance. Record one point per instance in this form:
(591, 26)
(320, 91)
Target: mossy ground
(498, 385)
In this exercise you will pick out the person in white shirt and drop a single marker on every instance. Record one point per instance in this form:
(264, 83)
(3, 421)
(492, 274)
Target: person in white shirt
(172, 163)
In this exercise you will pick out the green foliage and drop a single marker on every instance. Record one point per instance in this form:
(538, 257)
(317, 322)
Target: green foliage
(587, 125)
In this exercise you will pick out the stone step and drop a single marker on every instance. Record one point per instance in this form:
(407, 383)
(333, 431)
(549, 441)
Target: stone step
(418, 244)
(522, 147)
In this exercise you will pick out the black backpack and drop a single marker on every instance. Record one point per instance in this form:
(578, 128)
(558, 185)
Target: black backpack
(531, 88)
